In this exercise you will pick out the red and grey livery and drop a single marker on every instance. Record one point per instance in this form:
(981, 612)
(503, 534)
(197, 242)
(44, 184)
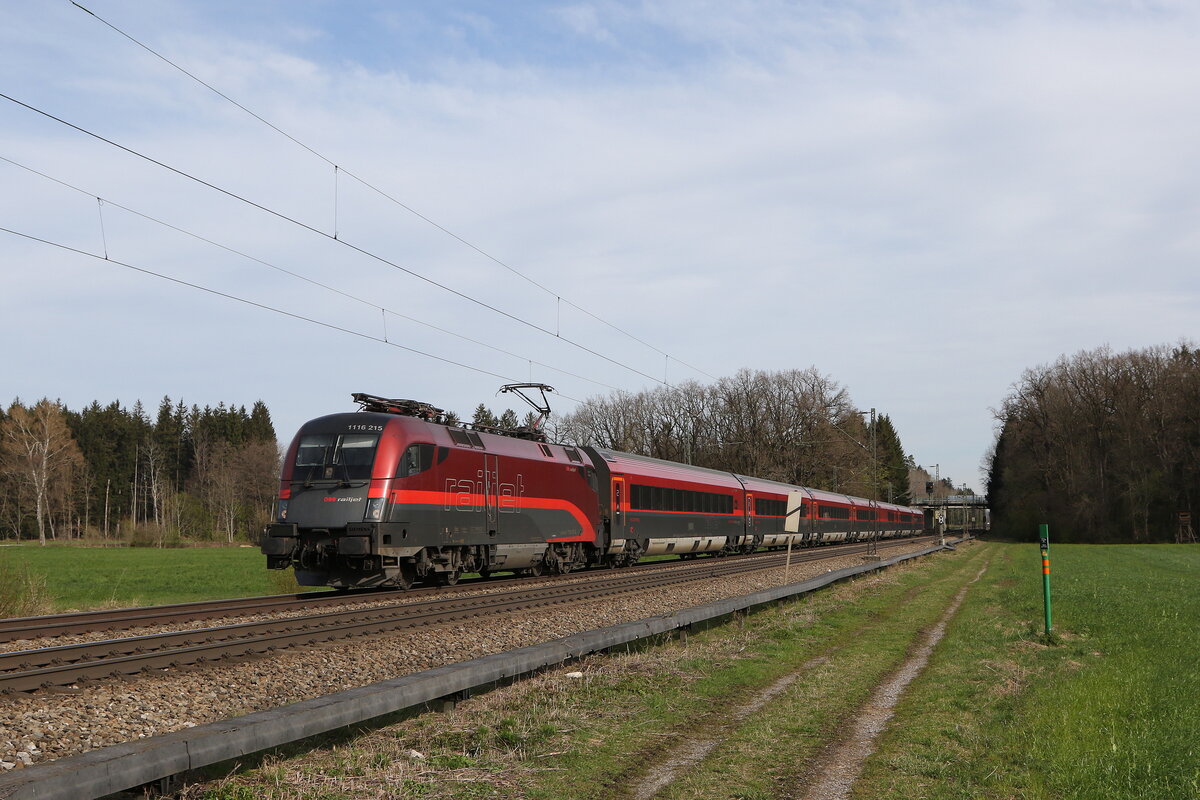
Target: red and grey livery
(389, 496)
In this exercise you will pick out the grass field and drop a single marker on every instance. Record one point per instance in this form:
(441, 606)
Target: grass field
(118, 577)
(555, 738)
(1110, 709)
(1105, 708)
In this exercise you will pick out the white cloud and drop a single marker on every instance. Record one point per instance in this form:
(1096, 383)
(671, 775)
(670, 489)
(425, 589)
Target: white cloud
(583, 19)
(921, 201)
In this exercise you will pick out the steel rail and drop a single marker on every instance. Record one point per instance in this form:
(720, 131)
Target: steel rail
(112, 619)
(54, 625)
(27, 670)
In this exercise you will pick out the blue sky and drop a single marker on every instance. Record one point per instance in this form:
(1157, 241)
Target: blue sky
(921, 200)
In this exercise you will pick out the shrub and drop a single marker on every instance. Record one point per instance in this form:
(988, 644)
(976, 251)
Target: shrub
(22, 593)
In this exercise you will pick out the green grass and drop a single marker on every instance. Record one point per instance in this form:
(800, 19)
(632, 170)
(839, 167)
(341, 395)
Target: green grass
(763, 757)
(553, 738)
(115, 577)
(1108, 708)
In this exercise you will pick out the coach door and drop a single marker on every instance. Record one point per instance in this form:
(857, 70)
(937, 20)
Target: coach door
(491, 492)
(618, 508)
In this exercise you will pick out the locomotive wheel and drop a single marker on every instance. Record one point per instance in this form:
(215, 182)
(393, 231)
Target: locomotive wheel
(563, 559)
(448, 578)
(406, 576)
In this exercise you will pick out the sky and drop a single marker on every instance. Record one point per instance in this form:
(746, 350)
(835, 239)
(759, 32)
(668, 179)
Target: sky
(920, 199)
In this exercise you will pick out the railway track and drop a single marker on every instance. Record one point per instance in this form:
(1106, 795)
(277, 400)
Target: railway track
(65, 665)
(54, 625)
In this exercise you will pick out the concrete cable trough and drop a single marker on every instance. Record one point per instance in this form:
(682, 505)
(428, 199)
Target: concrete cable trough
(112, 769)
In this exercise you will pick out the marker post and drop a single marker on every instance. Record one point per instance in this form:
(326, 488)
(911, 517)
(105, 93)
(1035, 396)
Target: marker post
(1044, 535)
(791, 525)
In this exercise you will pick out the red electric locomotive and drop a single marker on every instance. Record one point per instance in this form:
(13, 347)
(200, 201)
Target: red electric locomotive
(391, 495)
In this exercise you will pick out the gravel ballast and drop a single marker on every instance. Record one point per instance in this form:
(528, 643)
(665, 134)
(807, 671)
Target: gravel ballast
(47, 726)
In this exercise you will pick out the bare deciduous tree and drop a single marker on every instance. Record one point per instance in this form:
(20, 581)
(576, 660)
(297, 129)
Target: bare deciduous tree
(796, 426)
(37, 449)
(1101, 445)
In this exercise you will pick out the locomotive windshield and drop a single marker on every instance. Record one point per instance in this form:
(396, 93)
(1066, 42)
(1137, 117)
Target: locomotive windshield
(335, 456)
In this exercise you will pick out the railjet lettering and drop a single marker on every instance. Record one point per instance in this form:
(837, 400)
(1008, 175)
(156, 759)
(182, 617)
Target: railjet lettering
(469, 495)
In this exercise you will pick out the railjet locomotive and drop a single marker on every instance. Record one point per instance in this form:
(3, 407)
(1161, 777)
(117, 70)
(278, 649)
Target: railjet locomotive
(391, 496)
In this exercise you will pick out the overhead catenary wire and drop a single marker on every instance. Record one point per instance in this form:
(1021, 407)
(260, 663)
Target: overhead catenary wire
(384, 310)
(318, 232)
(337, 168)
(263, 306)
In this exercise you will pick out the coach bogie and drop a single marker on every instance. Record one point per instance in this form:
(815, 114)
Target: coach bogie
(623, 552)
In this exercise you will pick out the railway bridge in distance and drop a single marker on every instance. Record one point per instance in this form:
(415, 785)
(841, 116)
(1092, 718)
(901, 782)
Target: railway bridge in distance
(957, 512)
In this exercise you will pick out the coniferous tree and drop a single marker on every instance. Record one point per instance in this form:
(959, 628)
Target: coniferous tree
(484, 417)
(139, 475)
(893, 463)
(259, 427)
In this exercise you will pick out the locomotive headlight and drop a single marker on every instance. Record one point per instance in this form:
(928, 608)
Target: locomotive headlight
(281, 511)
(375, 509)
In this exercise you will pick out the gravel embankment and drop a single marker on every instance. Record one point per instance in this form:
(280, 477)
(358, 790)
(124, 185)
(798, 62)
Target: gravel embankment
(44, 726)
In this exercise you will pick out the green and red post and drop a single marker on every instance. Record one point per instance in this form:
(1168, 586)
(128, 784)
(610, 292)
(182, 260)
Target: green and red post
(1044, 532)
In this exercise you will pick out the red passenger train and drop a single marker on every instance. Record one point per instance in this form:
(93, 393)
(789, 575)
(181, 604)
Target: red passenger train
(390, 496)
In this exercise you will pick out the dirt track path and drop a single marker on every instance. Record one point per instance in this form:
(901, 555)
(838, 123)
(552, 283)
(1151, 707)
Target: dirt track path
(844, 762)
(692, 751)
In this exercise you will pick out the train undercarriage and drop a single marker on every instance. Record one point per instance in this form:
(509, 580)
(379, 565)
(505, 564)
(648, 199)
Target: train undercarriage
(345, 560)
(353, 558)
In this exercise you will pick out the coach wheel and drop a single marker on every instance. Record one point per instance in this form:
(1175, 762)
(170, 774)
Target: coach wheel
(535, 570)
